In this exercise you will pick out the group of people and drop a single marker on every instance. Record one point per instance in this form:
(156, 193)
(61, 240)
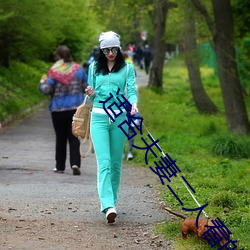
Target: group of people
(67, 83)
(141, 55)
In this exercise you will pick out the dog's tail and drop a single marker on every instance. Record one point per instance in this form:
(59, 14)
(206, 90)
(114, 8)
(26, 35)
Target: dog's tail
(174, 213)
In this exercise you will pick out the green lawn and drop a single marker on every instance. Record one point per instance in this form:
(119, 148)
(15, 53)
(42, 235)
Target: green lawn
(215, 163)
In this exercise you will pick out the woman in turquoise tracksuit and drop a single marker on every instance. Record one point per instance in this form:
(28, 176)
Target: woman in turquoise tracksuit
(106, 75)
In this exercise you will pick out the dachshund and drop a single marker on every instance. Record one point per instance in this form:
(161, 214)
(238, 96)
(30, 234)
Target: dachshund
(189, 227)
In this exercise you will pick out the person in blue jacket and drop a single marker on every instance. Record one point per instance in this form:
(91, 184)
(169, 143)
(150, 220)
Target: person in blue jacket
(65, 83)
(109, 75)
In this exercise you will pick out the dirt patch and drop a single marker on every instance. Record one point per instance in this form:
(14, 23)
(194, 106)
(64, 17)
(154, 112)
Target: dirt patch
(50, 234)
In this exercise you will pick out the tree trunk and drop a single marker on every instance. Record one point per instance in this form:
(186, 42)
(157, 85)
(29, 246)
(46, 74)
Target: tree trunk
(235, 109)
(159, 47)
(201, 99)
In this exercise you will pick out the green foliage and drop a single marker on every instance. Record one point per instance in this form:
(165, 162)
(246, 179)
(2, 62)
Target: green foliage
(175, 24)
(243, 60)
(241, 17)
(27, 33)
(186, 136)
(19, 87)
(176, 18)
(231, 146)
(175, 28)
(128, 18)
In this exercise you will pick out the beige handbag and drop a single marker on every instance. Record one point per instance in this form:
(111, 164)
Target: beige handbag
(81, 126)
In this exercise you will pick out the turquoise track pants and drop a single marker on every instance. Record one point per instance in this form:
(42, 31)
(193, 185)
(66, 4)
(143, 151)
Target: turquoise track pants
(108, 140)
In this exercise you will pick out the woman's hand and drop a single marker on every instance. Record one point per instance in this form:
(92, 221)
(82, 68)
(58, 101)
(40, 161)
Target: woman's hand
(90, 91)
(43, 79)
(134, 109)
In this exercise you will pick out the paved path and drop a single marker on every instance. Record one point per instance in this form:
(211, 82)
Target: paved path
(26, 163)
(31, 193)
(141, 78)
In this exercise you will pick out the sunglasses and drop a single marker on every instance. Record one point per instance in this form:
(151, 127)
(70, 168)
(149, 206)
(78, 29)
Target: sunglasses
(106, 51)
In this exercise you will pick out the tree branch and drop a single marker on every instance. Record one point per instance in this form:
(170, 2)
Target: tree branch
(202, 9)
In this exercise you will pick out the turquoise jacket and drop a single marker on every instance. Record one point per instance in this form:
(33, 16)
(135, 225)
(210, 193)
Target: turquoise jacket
(104, 85)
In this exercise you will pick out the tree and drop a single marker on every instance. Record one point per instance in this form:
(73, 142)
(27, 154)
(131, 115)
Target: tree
(223, 38)
(28, 33)
(23, 33)
(201, 99)
(159, 44)
(127, 17)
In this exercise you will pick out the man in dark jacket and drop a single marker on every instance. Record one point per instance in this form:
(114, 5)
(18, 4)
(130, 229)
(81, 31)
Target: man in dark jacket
(147, 58)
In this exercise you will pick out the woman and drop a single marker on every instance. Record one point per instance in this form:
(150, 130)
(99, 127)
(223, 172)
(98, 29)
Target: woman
(106, 75)
(65, 84)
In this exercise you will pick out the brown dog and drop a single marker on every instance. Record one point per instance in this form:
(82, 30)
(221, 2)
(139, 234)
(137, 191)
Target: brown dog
(189, 226)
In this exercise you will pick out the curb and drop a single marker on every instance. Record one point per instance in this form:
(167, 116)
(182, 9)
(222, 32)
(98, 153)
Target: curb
(22, 114)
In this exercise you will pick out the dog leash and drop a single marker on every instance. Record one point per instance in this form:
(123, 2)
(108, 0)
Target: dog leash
(185, 185)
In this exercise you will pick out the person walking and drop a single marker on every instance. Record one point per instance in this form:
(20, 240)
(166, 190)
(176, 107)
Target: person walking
(65, 84)
(147, 54)
(109, 76)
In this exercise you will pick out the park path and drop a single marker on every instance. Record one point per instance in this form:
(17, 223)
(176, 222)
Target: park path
(43, 210)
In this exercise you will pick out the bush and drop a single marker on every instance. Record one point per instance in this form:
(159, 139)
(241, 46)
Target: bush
(19, 88)
(231, 146)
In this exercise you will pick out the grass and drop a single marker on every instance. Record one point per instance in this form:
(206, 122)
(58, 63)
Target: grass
(230, 146)
(19, 88)
(214, 162)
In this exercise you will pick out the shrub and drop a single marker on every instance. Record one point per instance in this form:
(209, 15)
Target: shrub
(231, 146)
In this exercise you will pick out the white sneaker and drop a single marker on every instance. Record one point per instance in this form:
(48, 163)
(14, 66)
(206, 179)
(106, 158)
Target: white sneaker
(58, 171)
(111, 214)
(76, 170)
(129, 156)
